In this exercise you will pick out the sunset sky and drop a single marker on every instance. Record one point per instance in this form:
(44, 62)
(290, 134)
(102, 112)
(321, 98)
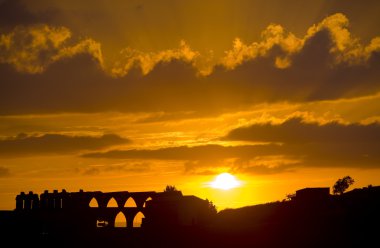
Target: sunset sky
(135, 95)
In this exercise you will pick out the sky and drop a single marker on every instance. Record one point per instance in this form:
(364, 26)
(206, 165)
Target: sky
(136, 95)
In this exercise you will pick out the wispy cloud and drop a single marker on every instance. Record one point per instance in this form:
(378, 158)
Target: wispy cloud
(290, 145)
(125, 167)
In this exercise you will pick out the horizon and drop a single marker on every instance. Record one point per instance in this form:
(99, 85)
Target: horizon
(113, 204)
(237, 101)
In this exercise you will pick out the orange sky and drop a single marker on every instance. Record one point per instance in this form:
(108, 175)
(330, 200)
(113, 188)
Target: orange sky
(135, 95)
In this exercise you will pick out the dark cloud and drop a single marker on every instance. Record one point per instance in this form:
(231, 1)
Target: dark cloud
(79, 84)
(270, 166)
(295, 130)
(319, 145)
(4, 172)
(29, 145)
(312, 75)
(203, 167)
(206, 152)
(264, 170)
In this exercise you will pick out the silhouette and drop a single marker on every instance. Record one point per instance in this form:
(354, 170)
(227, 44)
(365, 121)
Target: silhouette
(342, 185)
(170, 188)
(312, 195)
(311, 218)
(79, 215)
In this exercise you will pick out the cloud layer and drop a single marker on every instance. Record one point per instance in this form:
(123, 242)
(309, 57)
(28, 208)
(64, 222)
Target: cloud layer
(41, 64)
(290, 145)
(296, 131)
(33, 48)
(29, 145)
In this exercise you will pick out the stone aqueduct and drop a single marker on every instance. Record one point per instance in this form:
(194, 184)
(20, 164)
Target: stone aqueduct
(79, 203)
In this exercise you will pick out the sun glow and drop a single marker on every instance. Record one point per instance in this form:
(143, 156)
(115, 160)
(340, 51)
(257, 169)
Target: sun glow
(225, 181)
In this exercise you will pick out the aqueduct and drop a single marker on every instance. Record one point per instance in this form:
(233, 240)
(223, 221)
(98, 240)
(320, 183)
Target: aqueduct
(102, 215)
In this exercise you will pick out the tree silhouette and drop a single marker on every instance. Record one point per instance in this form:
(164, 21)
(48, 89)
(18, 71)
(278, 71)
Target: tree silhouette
(289, 197)
(170, 188)
(211, 207)
(342, 184)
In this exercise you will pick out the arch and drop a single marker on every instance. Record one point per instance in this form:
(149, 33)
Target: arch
(93, 203)
(120, 220)
(112, 203)
(130, 203)
(149, 199)
(138, 219)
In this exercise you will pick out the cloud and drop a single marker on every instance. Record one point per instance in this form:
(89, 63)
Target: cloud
(211, 159)
(32, 49)
(115, 168)
(259, 165)
(72, 75)
(314, 75)
(331, 144)
(130, 58)
(163, 117)
(205, 152)
(274, 35)
(4, 172)
(31, 145)
(295, 130)
(288, 146)
(77, 85)
(266, 165)
(343, 48)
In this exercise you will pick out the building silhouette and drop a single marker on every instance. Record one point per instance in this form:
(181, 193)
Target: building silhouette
(312, 195)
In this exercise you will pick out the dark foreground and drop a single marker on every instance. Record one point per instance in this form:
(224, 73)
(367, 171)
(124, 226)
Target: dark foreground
(350, 220)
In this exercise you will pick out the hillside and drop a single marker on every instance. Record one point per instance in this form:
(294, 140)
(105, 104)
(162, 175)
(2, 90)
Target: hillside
(346, 220)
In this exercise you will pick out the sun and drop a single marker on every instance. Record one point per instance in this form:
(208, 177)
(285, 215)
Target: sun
(225, 181)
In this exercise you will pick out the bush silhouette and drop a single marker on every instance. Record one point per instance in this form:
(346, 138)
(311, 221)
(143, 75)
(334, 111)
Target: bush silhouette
(170, 188)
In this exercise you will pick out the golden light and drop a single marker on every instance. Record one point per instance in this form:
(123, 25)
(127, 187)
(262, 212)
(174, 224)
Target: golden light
(225, 181)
